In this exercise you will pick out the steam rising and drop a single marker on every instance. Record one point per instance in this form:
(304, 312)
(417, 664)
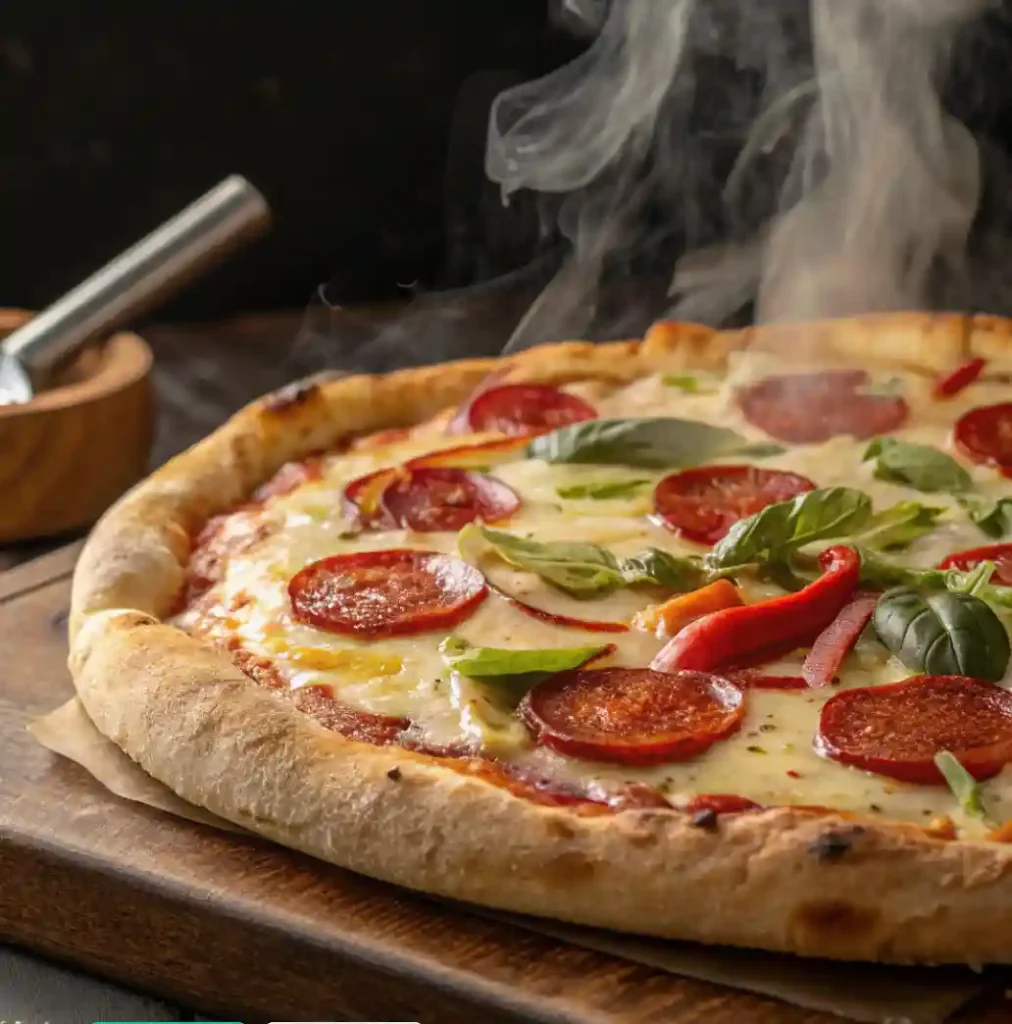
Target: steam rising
(821, 176)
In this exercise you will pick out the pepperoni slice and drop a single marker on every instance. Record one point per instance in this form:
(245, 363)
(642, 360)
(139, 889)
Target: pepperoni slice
(633, 716)
(720, 803)
(525, 410)
(703, 503)
(1000, 554)
(427, 500)
(386, 593)
(897, 729)
(806, 408)
(984, 435)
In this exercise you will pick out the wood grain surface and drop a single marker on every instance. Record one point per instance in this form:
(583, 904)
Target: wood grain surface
(250, 930)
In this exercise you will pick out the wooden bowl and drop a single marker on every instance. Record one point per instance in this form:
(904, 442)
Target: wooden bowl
(67, 455)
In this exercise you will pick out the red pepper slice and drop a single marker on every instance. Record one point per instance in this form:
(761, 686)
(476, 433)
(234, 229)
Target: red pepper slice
(836, 640)
(737, 636)
(960, 378)
(1000, 554)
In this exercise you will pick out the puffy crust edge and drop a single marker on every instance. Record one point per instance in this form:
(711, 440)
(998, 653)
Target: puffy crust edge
(801, 882)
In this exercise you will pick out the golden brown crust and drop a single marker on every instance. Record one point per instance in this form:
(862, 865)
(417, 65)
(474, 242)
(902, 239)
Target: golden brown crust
(814, 884)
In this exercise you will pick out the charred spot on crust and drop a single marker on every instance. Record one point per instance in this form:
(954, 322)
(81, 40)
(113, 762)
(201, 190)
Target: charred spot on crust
(834, 845)
(837, 921)
(291, 396)
(705, 819)
(394, 775)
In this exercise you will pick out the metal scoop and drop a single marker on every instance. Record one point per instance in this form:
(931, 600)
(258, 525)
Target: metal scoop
(135, 282)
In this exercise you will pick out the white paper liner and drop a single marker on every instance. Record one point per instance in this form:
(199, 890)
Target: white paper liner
(869, 993)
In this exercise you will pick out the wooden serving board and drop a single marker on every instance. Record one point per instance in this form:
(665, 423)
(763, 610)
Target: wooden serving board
(252, 931)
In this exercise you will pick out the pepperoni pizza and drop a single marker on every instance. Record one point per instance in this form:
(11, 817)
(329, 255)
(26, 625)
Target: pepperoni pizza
(704, 636)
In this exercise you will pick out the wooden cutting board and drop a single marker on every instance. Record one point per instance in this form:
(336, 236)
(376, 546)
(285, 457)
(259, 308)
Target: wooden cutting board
(257, 932)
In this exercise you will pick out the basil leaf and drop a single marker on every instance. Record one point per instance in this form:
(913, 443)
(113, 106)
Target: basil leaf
(652, 442)
(776, 531)
(879, 572)
(917, 465)
(993, 517)
(612, 489)
(899, 525)
(690, 383)
(503, 664)
(583, 570)
(964, 786)
(943, 634)
(658, 567)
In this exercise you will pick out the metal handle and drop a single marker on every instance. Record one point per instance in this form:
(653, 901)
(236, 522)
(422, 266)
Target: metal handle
(137, 280)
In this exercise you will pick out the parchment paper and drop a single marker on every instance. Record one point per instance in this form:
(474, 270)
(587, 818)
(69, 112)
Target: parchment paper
(871, 994)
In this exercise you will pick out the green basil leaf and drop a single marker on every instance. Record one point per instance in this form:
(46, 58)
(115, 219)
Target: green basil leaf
(506, 665)
(899, 525)
(691, 384)
(917, 465)
(583, 570)
(943, 634)
(680, 574)
(602, 490)
(877, 573)
(993, 517)
(772, 534)
(652, 443)
(964, 786)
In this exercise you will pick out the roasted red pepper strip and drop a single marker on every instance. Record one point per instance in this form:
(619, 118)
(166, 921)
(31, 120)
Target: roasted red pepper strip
(737, 636)
(959, 379)
(835, 641)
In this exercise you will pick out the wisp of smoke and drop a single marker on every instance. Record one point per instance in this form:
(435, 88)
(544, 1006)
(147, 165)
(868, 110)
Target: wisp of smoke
(802, 153)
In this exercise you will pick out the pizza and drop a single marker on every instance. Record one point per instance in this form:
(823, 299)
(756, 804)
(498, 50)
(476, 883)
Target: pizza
(703, 636)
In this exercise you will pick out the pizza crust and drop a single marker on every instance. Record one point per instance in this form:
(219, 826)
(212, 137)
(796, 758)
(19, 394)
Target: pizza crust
(785, 879)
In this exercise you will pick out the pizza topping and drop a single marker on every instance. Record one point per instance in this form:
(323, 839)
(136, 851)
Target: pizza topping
(756, 679)
(603, 491)
(984, 435)
(720, 803)
(917, 465)
(560, 618)
(999, 554)
(361, 500)
(522, 410)
(898, 729)
(703, 503)
(899, 525)
(993, 517)
(633, 716)
(834, 643)
(652, 442)
(386, 593)
(429, 500)
(809, 408)
(776, 532)
(290, 476)
(960, 378)
(528, 666)
(737, 636)
(674, 615)
(943, 634)
(963, 785)
(471, 456)
(578, 568)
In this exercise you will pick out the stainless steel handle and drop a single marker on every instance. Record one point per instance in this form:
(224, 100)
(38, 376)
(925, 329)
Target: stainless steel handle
(137, 280)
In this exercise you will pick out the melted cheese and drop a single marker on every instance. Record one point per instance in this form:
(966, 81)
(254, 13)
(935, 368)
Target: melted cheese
(771, 759)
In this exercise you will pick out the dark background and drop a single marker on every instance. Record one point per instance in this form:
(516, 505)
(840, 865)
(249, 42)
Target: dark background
(362, 121)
